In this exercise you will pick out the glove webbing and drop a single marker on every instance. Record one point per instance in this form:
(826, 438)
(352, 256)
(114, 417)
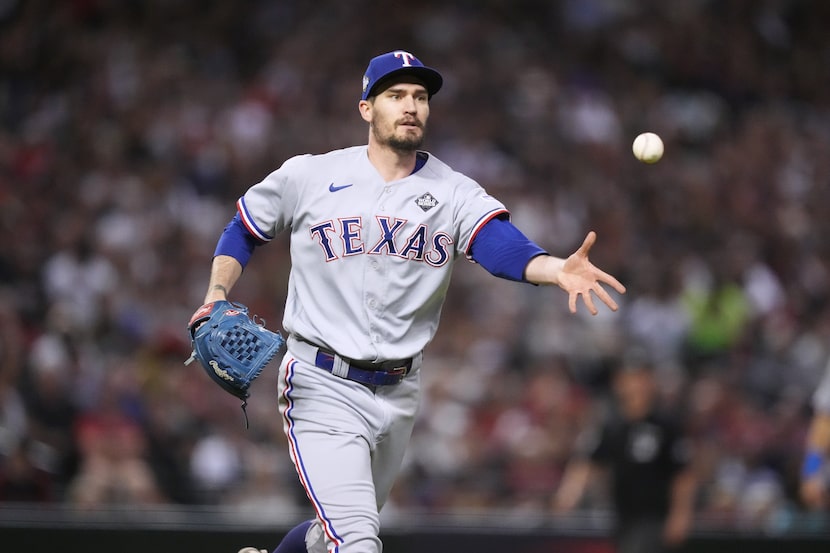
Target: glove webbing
(242, 344)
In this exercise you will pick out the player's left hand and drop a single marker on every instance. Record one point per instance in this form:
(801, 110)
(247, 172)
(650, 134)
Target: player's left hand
(579, 278)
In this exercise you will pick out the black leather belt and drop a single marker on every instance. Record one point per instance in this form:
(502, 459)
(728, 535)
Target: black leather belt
(385, 373)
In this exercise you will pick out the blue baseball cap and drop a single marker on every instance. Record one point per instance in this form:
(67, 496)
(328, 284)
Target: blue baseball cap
(399, 62)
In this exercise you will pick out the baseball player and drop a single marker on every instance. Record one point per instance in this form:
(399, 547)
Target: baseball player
(374, 231)
(815, 473)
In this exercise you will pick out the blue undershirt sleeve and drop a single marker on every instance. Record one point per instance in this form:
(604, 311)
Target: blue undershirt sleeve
(237, 242)
(503, 249)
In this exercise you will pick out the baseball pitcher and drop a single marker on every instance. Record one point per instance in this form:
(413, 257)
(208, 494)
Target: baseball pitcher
(374, 231)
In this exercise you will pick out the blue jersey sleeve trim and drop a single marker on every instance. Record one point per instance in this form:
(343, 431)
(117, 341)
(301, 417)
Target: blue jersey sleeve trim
(500, 213)
(503, 249)
(248, 221)
(237, 242)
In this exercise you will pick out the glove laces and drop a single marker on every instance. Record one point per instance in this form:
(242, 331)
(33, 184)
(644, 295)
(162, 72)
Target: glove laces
(245, 413)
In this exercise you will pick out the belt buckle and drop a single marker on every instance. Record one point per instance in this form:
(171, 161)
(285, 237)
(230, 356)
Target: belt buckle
(397, 371)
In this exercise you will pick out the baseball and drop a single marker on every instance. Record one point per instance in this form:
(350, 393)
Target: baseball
(648, 147)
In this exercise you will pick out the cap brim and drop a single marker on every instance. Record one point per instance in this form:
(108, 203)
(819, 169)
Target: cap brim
(430, 77)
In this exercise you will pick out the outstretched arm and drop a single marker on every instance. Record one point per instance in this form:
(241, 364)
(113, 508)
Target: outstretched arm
(576, 275)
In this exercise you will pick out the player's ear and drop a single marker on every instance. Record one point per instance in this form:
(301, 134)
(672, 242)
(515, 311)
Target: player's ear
(365, 108)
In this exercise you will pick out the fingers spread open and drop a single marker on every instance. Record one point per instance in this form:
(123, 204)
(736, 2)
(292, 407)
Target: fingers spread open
(587, 243)
(589, 303)
(610, 280)
(605, 297)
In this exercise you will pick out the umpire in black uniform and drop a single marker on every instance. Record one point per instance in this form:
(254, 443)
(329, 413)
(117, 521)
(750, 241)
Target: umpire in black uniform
(648, 459)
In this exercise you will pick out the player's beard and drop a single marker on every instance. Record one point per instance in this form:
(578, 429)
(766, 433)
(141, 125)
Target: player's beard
(409, 142)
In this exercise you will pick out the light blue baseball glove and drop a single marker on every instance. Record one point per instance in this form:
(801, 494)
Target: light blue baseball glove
(232, 347)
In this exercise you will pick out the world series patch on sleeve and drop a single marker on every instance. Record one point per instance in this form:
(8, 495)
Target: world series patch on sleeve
(231, 346)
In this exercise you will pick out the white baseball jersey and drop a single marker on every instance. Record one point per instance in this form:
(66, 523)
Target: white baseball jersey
(370, 260)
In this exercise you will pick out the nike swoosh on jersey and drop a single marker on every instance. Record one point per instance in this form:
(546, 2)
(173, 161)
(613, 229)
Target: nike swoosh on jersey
(333, 188)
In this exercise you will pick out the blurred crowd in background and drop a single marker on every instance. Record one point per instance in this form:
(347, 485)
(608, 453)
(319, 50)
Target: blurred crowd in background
(128, 129)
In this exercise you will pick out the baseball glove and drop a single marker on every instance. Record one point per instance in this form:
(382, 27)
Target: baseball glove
(232, 347)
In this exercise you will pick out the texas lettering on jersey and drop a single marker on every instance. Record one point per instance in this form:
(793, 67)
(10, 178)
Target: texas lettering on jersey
(344, 238)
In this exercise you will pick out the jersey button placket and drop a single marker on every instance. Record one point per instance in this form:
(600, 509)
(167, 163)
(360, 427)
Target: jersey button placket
(387, 190)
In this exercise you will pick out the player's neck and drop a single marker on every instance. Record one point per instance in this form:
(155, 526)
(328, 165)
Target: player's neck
(392, 164)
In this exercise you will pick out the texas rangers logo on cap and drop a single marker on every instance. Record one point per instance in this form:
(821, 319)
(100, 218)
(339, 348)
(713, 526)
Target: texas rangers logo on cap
(399, 62)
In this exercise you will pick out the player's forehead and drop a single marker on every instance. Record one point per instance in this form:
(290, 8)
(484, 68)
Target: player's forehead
(407, 83)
